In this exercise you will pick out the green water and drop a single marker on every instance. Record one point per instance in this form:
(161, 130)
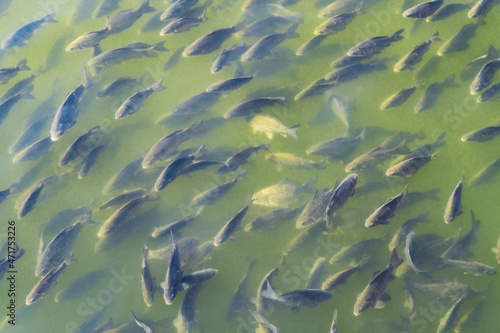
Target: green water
(282, 74)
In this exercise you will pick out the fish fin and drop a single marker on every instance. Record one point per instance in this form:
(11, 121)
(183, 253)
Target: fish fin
(203, 16)
(293, 131)
(320, 164)
(395, 261)
(146, 8)
(269, 292)
(397, 35)
(492, 52)
(238, 71)
(157, 86)
(359, 10)
(96, 50)
(494, 249)
(22, 65)
(145, 251)
(163, 285)
(379, 304)
(15, 186)
(435, 37)
(69, 259)
(290, 32)
(50, 18)
(183, 286)
(385, 297)
(269, 135)
(85, 80)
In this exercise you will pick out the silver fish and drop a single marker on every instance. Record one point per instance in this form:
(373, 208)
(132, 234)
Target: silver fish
(272, 219)
(460, 247)
(409, 166)
(232, 224)
(177, 9)
(340, 195)
(375, 156)
(173, 227)
(89, 39)
(485, 76)
(227, 56)
(79, 146)
(126, 18)
(386, 210)
(90, 160)
(469, 267)
(449, 319)
(374, 45)
(105, 7)
(266, 26)
(263, 48)
(183, 24)
(129, 51)
(490, 94)
(147, 280)
(139, 323)
(292, 161)
(316, 273)
(240, 157)
(23, 34)
(119, 85)
(30, 201)
(410, 253)
(123, 198)
(483, 134)
(210, 196)
(315, 208)
(454, 204)
(8, 73)
(415, 55)
(400, 97)
(199, 277)
(400, 235)
(338, 7)
(310, 45)
(34, 151)
(210, 42)
(187, 319)
(341, 277)
(424, 9)
(134, 102)
(272, 125)
(228, 85)
(337, 148)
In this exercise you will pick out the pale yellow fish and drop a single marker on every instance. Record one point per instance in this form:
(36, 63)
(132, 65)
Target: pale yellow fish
(271, 125)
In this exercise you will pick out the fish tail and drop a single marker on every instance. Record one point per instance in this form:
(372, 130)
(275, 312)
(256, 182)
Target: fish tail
(203, 16)
(145, 251)
(435, 37)
(50, 18)
(359, 9)
(281, 100)
(265, 146)
(269, 292)
(15, 187)
(146, 8)
(290, 32)
(160, 46)
(87, 83)
(362, 135)
(96, 50)
(69, 259)
(397, 35)
(402, 149)
(22, 65)
(395, 261)
(492, 52)
(293, 131)
(199, 152)
(320, 164)
(26, 92)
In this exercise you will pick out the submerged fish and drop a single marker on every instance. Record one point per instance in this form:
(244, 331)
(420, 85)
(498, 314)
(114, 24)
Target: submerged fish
(460, 247)
(469, 267)
(210, 42)
(174, 169)
(481, 8)
(34, 151)
(81, 286)
(23, 34)
(177, 9)
(30, 201)
(374, 45)
(166, 230)
(123, 177)
(89, 39)
(252, 106)
(386, 210)
(410, 253)
(375, 157)
(147, 280)
(338, 7)
(315, 208)
(486, 173)
(240, 157)
(341, 277)
(187, 319)
(293, 161)
(80, 146)
(263, 48)
(473, 67)
(271, 125)
(460, 41)
(310, 45)
(354, 253)
(213, 194)
(429, 97)
(444, 290)
(183, 24)
(134, 102)
(227, 56)
(409, 166)
(14, 187)
(448, 321)
(297, 298)
(283, 194)
(228, 85)
(340, 195)
(448, 10)
(8, 73)
(173, 277)
(266, 26)
(7, 104)
(90, 160)
(400, 97)
(490, 94)
(483, 134)
(338, 22)
(105, 7)
(272, 219)
(233, 223)
(129, 51)
(351, 72)
(238, 300)
(119, 85)
(415, 55)
(139, 323)
(337, 148)
(485, 76)
(454, 204)
(126, 18)
(423, 10)
(400, 235)
(316, 273)
(373, 294)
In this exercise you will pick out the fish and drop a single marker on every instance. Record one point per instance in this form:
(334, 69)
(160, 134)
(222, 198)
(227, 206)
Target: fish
(238, 301)
(454, 204)
(489, 94)
(134, 102)
(23, 34)
(261, 302)
(345, 61)
(460, 41)
(80, 146)
(355, 253)
(481, 8)
(468, 267)
(183, 24)
(139, 323)
(121, 54)
(339, 108)
(34, 151)
(485, 76)
(13, 188)
(470, 318)
(337, 148)
(263, 323)
(312, 231)
(341, 194)
(177, 9)
(386, 210)
(315, 208)
(310, 45)
(333, 327)
(447, 11)
(119, 85)
(126, 18)
(297, 298)
(263, 48)
(411, 251)
(473, 66)
(338, 7)
(49, 281)
(210, 42)
(265, 26)
(30, 134)
(233, 223)
(292, 161)
(486, 173)
(375, 157)
(7, 104)
(252, 106)
(227, 56)
(147, 280)
(81, 286)
(67, 113)
(28, 204)
(228, 85)
(401, 235)
(199, 277)
(374, 45)
(199, 255)
(240, 157)
(16, 88)
(123, 198)
(195, 104)
(90, 160)
(212, 195)
(271, 125)
(423, 150)
(187, 319)
(373, 294)
(460, 247)
(284, 193)
(338, 22)
(429, 97)
(252, 4)
(315, 88)
(105, 7)
(448, 321)
(351, 72)
(89, 39)
(444, 290)
(341, 277)
(173, 227)
(171, 171)
(61, 245)
(424, 9)
(123, 177)
(409, 166)
(272, 219)
(9, 72)
(400, 97)
(167, 145)
(174, 275)
(415, 55)
(482, 135)
(316, 273)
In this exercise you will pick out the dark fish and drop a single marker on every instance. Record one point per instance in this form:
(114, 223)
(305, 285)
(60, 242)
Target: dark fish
(81, 286)
(183, 24)
(411, 251)
(34, 151)
(252, 106)
(316, 274)
(232, 224)
(483, 134)
(386, 210)
(400, 97)
(341, 194)
(263, 48)
(29, 203)
(373, 294)
(485, 76)
(171, 171)
(7, 104)
(460, 247)
(429, 97)
(49, 281)
(199, 277)
(79, 146)
(447, 11)
(227, 56)
(240, 157)
(213, 194)
(490, 94)
(177, 9)
(17, 88)
(473, 67)
(123, 177)
(23, 34)
(454, 204)
(90, 160)
(119, 85)
(374, 45)
(310, 45)
(8, 73)
(210, 42)
(486, 173)
(297, 298)
(199, 165)
(147, 280)
(166, 146)
(187, 319)
(481, 8)
(422, 150)
(423, 10)
(61, 245)
(272, 219)
(126, 18)
(400, 235)
(460, 41)
(409, 166)
(67, 114)
(415, 55)
(105, 7)
(349, 73)
(238, 300)
(338, 22)
(123, 198)
(337, 148)
(89, 39)
(134, 102)
(341, 277)
(448, 321)
(173, 277)
(166, 230)
(228, 85)
(315, 208)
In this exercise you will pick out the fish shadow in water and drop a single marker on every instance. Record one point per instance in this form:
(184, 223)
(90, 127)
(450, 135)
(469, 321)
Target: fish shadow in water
(153, 24)
(174, 59)
(54, 55)
(428, 68)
